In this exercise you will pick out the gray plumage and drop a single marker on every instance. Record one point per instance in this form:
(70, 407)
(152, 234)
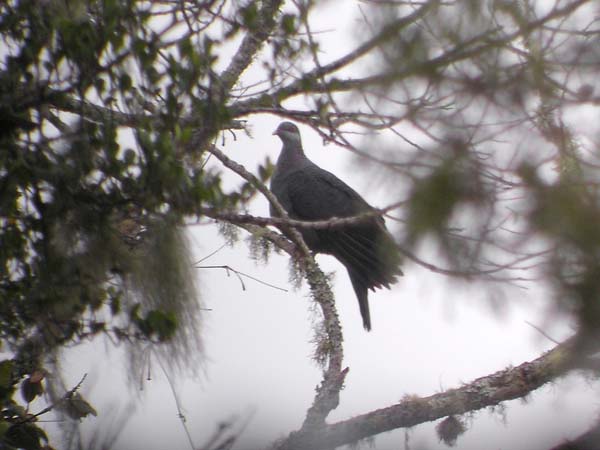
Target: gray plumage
(307, 192)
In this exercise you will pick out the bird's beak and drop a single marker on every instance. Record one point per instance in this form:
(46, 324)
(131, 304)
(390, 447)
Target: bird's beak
(276, 132)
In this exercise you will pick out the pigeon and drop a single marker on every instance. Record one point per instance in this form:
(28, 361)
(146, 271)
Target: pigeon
(308, 192)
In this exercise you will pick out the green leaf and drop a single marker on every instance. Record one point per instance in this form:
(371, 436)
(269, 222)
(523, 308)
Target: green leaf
(161, 323)
(99, 84)
(265, 170)
(185, 134)
(6, 373)
(186, 48)
(4, 426)
(249, 15)
(134, 312)
(24, 436)
(115, 303)
(125, 82)
(288, 24)
(433, 200)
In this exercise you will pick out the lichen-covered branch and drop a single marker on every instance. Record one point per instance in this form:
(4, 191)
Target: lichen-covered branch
(98, 113)
(251, 43)
(327, 397)
(335, 222)
(328, 392)
(248, 176)
(491, 390)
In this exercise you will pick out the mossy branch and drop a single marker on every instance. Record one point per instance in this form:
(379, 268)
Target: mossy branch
(327, 396)
(490, 390)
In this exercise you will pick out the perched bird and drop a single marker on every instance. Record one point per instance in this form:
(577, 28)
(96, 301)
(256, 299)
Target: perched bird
(307, 192)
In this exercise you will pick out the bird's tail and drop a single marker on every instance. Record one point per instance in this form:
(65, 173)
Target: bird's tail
(362, 294)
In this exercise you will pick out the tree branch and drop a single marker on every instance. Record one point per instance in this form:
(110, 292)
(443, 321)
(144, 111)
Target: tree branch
(251, 44)
(389, 31)
(97, 113)
(327, 397)
(334, 222)
(491, 390)
(309, 83)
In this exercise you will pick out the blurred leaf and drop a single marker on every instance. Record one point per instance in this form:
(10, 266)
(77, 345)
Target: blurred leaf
(288, 23)
(6, 373)
(265, 170)
(30, 390)
(162, 324)
(37, 376)
(25, 436)
(76, 407)
(4, 426)
(249, 15)
(134, 312)
(125, 82)
(433, 200)
(15, 410)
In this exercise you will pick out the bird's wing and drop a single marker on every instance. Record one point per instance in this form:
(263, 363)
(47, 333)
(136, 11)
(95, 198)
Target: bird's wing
(315, 194)
(366, 248)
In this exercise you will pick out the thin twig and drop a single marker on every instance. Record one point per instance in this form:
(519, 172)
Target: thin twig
(177, 405)
(542, 332)
(211, 254)
(65, 397)
(240, 275)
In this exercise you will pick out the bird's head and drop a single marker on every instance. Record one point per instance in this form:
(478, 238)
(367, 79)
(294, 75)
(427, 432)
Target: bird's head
(288, 132)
